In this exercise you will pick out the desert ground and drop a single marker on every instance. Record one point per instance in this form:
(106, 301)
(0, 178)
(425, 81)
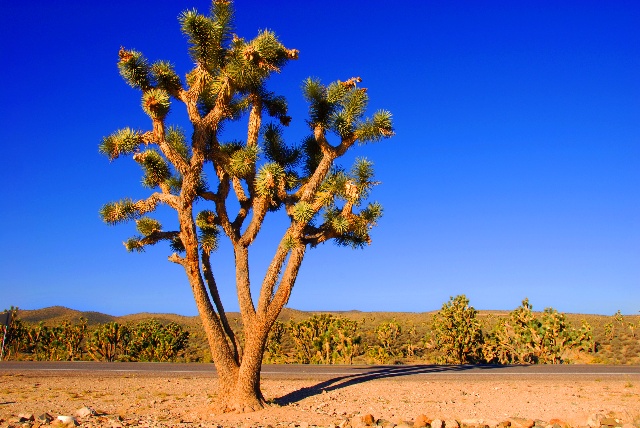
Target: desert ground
(186, 400)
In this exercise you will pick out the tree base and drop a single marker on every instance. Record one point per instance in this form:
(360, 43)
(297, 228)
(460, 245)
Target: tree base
(236, 403)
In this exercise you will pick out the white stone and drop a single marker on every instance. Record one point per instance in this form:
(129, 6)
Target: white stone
(68, 420)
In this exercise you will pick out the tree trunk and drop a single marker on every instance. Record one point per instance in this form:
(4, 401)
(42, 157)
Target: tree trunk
(243, 394)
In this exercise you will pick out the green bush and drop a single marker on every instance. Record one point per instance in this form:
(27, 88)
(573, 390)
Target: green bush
(457, 333)
(522, 338)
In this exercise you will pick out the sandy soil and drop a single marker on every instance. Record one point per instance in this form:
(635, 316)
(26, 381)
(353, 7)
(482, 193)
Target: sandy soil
(186, 401)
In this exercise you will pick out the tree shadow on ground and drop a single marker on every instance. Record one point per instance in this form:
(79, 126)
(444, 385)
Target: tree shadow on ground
(381, 372)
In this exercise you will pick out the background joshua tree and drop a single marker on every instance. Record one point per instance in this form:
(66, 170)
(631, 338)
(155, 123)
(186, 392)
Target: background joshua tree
(263, 173)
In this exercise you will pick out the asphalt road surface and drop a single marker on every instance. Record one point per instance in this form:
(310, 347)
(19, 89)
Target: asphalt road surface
(323, 372)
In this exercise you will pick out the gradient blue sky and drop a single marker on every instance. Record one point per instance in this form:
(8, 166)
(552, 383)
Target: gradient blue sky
(515, 171)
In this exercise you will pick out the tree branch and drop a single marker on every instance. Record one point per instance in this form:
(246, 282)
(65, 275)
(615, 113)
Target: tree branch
(271, 277)
(260, 209)
(243, 286)
(281, 296)
(173, 156)
(144, 206)
(213, 290)
(157, 236)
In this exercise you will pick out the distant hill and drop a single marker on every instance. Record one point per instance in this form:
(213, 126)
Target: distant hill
(56, 314)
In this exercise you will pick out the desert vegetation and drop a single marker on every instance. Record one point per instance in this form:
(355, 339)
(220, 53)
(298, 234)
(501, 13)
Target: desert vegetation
(456, 334)
(148, 340)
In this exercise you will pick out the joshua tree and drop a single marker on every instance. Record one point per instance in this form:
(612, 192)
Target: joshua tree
(264, 174)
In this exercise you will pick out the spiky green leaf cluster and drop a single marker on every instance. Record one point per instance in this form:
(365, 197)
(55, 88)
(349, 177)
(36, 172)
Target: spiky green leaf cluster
(175, 184)
(371, 214)
(122, 142)
(276, 150)
(303, 212)
(340, 107)
(289, 243)
(320, 109)
(146, 226)
(134, 244)
(362, 173)
(156, 169)
(209, 240)
(268, 179)
(376, 128)
(178, 142)
(119, 212)
(332, 186)
(156, 103)
(243, 161)
(312, 155)
(165, 76)
(250, 63)
(177, 245)
(276, 106)
(205, 38)
(134, 68)
(206, 220)
(209, 231)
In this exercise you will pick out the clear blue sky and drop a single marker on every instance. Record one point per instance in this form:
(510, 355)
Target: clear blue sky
(515, 171)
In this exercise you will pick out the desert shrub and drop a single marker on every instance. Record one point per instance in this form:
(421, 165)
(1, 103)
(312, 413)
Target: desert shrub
(325, 339)
(457, 333)
(109, 342)
(151, 341)
(387, 347)
(273, 353)
(71, 339)
(14, 335)
(522, 338)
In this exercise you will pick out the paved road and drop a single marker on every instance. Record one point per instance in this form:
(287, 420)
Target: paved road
(296, 371)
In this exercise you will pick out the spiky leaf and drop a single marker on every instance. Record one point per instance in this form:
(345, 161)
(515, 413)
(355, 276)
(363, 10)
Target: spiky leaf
(156, 103)
(134, 68)
(165, 76)
(268, 179)
(276, 150)
(122, 142)
(303, 212)
(206, 219)
(134, 245)
(178, 142)
(243, 161)
(204, 38)
(146, 226)
(118, 212)
(376, 128)
(155, 168)
(209, 239)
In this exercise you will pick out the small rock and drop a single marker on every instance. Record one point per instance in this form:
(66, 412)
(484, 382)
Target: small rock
(304, 425)
(540, 423)
(628, 426)
(67, 420)
(344, 424)
(384, 423)
(475, 423)
(559, 422)
(594, 420)
(504, 424)
(45, 418)
(422, 421)
(450, 423)
(521, 423)
(436, 423)
(611, 422)
(85, 412)
(368, 420)
(26, 417)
